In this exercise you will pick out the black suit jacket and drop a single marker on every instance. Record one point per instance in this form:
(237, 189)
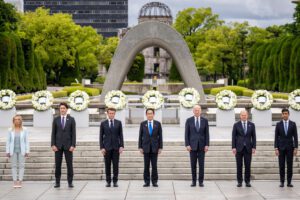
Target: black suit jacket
(196, 140)
(240, 139)
(111, 138)
(155, 141)
(64, 137)
(289, 141)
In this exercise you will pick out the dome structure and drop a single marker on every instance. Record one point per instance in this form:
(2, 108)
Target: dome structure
(156, 11)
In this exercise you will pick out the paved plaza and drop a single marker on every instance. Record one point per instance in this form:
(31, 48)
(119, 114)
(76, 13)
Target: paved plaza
(133, 190)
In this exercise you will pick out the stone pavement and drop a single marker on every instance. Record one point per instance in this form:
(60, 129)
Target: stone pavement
(133, 190)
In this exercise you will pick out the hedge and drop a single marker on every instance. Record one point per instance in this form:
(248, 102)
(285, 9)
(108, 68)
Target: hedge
(236, 89)
(58, 94)
(89, 91)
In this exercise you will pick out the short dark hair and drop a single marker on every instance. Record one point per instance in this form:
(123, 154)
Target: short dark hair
(63, 104)
(285, 110)
(151, 110)
(111, 109)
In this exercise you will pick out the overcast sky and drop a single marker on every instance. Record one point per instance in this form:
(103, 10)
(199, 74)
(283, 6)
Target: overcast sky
(261, 13)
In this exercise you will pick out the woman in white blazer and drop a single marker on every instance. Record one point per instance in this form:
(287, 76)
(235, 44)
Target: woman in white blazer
(17, 149)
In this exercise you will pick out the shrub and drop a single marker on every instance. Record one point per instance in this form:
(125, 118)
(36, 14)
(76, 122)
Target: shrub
(243, 83)
(236, 89)
(100, 79)
(89, 91)
(76, 84)
(24, 97)
(58, 94)
(280, 96)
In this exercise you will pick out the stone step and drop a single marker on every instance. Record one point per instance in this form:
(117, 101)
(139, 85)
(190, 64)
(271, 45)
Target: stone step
(137, 153)
(97, 159)
(140, 177)
(140, 170)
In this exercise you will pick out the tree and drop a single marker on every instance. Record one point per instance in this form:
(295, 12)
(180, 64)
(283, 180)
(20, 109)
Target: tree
(136, 72)
(192, 22)
(57, 39)
(8, 17)
(107, 50)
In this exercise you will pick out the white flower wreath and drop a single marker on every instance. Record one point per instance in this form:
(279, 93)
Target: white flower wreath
(188, 97)
(262, 100)
(42, 100)
(294, 100)
(153, 99)
(7, 99)
(115, 99)
(79, 100)
(226, 100)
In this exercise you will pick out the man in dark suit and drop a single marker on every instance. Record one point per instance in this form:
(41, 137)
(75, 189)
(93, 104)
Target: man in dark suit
(63, 141)
(111, 145)
(243, 146)
(286, 146)
(150, 145)
(197, 142)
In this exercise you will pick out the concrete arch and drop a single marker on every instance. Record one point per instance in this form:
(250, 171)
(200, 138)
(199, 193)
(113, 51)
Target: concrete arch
(146, 34)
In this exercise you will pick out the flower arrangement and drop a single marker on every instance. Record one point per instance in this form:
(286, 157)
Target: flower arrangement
(153, 99)
(226, 100)
(188, 97)
(262, 100)
(42, 100)
(79, 100)
(294, 100)
(7, 99)
(115, 99)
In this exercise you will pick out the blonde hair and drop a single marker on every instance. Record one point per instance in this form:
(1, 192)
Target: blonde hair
(13, 122)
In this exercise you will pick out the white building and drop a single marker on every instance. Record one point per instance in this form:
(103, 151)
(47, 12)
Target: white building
(19, 4)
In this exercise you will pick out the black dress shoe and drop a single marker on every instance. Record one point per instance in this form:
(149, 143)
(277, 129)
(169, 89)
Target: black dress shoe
(193, 184)
(281, 184)
(107, 185)
(154, 185)
(239, 185)
(57, 185)
(290, 185)
(71, 185)
(146, 185)
(248, 185)
(201, 184)
(116, 184)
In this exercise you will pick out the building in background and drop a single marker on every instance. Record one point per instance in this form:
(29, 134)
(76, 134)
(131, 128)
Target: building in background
(106, 16)
(157, 60)
(19, 4)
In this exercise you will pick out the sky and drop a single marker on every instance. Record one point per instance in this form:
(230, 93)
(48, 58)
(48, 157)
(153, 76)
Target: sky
(262, 13)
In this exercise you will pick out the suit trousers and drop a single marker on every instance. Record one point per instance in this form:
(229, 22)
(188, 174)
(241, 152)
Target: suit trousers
(194, 156)
(69, 162)
(243, 156)
(150, 157)
(287, 156)
(112, 156)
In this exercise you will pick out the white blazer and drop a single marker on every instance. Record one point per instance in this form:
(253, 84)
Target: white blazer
(24, 142)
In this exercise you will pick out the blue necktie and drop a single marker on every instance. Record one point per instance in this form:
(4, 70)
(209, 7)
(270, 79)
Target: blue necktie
(245, 128)
(285, 128)
(197, 125)
(150, 129)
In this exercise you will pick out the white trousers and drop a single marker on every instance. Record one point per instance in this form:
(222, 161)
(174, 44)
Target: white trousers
(17, 166)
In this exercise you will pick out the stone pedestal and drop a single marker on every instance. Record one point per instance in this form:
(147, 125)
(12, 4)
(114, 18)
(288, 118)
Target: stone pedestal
(295, 116)
(43, 119)
(261, 118)
(225, 118)
(6, 117)
(121, 115)
(184, 113)
(157, 115)
(81, 118)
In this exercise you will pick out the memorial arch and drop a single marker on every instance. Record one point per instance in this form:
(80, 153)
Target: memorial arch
(147, 34)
